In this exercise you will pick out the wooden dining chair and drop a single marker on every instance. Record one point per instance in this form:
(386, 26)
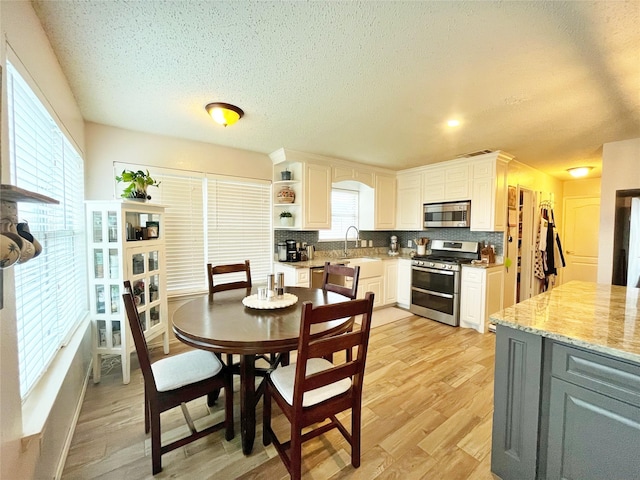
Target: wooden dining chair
(212, 271)
(334, 279)
(314, 389)
(175, 380)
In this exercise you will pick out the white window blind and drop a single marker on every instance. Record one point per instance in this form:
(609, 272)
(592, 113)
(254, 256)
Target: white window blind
(183, 230)
(344, 212)
(51, 289)
(239, 224)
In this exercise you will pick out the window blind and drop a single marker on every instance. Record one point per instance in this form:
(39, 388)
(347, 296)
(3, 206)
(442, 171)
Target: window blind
(344, 212)
(51, 289)
(239, 224)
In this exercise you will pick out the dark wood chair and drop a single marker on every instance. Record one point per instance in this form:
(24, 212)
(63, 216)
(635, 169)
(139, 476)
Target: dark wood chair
(313, 389)
(175, 380)
(212, 271)
(330, 283)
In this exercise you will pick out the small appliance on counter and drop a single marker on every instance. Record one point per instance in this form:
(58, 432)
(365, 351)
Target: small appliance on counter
(393, 246)
(292, 251)
(282, 252)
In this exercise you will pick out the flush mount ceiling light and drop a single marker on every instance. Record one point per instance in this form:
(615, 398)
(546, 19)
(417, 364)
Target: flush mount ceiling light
(224, 113)
(578, 172)
(453, 122)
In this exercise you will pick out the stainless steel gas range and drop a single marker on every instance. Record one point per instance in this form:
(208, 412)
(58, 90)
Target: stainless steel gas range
(435, 280)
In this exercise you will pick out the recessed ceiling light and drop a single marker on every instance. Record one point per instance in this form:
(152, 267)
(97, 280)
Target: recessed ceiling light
(453, 123)
(578, 172)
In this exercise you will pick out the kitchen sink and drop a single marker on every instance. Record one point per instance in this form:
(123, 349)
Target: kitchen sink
(369, 266)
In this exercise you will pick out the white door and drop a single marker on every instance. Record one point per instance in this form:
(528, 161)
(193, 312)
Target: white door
(580, 239)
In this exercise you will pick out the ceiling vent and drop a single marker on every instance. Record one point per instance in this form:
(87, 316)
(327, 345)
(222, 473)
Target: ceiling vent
(474, 154)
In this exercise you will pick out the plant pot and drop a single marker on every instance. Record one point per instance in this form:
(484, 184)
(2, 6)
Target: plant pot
(286, 221)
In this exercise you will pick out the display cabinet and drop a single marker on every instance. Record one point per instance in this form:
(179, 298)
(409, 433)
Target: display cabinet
(125, 242)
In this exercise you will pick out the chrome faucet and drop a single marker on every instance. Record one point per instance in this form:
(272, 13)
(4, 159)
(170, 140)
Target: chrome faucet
(346, 253)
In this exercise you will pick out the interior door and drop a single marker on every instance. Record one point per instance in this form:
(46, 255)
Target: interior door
(580, 239)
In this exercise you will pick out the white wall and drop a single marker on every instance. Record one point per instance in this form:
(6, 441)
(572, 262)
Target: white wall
(28, 48)
(106, 145)
(620, 171)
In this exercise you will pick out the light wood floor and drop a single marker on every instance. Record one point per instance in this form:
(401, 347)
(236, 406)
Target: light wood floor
(427, 413)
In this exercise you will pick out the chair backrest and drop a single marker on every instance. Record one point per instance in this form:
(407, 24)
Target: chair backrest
(138, 335)
(323, 347)
(225, 269)
(333, 271)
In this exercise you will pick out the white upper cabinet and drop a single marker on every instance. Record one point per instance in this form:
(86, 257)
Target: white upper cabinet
(489, 192)
(385, 202)
(317, 196)
(409, 202)
(446, 182)
(342, 173)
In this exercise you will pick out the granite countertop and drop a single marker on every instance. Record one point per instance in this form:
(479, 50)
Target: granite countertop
(483, 265)
(602, 318)
(318, 261)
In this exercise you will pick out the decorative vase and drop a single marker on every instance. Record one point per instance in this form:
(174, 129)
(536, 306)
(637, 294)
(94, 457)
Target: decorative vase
(286, 195)
(286, 175)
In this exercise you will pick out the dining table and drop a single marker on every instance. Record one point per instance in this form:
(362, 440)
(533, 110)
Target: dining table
(221, 323)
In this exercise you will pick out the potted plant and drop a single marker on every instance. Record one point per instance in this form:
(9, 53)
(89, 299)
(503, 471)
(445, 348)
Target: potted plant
(138, 183)
(286, 219)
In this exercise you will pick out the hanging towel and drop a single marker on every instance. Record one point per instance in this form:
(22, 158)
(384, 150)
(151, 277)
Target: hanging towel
(559, 261)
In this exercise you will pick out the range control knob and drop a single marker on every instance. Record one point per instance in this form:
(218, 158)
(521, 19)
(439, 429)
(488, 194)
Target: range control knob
(432, 264)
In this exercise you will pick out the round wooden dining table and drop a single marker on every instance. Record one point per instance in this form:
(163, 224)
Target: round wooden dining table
(221, 323)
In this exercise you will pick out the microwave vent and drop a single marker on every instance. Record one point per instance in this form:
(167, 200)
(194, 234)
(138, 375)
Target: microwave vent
(474, 154)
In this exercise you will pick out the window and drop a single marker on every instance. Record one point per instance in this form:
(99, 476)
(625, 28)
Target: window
(211, 219)
(51, 289)
(344, 212)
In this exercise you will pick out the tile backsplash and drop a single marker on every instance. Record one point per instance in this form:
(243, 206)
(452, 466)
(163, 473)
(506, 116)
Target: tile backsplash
(383, 238)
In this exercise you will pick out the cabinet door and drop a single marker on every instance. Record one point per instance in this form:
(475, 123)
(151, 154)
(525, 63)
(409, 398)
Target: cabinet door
(591, 436)
(341, 173)
(404, 283)
(317, 196)
(433, 181)
(385, 202)
(373, 284)
(390, 282)
(409, 203)
(472, 297)
(456, 183)
(482, 206)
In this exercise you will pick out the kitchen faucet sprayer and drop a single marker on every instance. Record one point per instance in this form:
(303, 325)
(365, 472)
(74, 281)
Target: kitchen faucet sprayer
(346, 253)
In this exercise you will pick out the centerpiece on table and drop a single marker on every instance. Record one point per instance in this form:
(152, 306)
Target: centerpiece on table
(138, 183)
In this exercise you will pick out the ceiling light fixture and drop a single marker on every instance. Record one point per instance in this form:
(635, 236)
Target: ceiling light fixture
(224, 113)
(453, 123)
(578, 172)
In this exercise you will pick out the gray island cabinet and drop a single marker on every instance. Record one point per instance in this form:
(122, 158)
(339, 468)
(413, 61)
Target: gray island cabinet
(567, 385)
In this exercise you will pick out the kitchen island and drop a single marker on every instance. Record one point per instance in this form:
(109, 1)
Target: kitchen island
(567, 385)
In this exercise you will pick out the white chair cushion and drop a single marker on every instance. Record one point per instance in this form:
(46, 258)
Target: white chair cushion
(180, 370)
(283, 379)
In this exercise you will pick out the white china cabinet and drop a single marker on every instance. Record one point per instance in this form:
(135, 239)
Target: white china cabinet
(125, 241)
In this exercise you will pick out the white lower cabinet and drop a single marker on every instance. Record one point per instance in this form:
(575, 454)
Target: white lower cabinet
(403, 297)
(294, 277)
(480, 295)
(372, 284)
(390, 281)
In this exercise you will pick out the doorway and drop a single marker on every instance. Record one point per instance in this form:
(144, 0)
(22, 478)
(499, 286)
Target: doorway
(626, 239)
(526, 244)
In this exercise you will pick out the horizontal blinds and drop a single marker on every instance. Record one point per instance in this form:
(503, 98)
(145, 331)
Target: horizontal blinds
(344, 212)
(239, 225)
(49, 300)
(183, 231)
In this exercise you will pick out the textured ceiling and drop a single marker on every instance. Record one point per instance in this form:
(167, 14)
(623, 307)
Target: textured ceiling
(374, 82)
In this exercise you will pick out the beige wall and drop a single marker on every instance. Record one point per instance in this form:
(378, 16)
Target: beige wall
(585, 187)
(106, 145)
(620, 171)
(28, 49)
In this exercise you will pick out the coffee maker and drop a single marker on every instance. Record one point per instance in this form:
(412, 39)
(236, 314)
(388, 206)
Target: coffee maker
(292, 251)
(393, 246)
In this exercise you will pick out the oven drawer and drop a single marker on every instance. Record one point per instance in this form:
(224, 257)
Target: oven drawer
(441, 302)
(434, 280)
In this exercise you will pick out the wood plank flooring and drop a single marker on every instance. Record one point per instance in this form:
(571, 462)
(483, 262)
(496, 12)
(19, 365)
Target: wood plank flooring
(427, 413)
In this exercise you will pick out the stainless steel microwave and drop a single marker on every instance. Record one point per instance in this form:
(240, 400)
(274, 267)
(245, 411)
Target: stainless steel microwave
(450, 214)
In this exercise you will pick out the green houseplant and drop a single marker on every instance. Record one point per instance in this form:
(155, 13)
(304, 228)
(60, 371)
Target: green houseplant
(286, 219)
(138, 183)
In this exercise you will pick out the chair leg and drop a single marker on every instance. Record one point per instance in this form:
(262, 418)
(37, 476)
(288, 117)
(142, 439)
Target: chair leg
(295, 453)
(266, 415)
(212, 397)
(147, 423)
(156, 448)
(356, 422)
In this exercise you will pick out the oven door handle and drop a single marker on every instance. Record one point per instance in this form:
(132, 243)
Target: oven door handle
(435, 294)
(434, 270)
